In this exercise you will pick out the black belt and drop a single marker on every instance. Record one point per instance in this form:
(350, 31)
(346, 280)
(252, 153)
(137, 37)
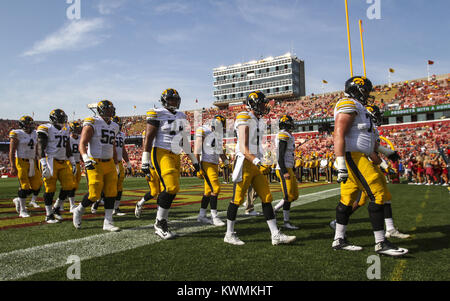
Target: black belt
(104, 160)
(60, 161)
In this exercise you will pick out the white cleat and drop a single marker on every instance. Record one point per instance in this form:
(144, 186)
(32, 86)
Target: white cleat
(34, 204)
(77, 214)
(233, 239)
(24, 214)
(387, 248)
(57, 214)
(281, 238)
(16, 202)
(94, 208)
(343, 244)
(217, 222)
(162, 229)
(138, 210)
(204, 220)
(118, 212)
(109, 226)
(288, 225)
(396, 234)
(50, 219)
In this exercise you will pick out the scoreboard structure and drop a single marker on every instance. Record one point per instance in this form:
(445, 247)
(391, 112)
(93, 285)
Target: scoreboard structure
(277, 77)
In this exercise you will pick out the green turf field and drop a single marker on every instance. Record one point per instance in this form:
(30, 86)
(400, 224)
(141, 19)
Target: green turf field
(33, 250)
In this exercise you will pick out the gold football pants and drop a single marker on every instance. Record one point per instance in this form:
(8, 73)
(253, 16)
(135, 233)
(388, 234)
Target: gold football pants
(251, 176)
(62, 172)
(102, 178)
(26, 182)
(211, 177)
(167, 165)
(289, 187)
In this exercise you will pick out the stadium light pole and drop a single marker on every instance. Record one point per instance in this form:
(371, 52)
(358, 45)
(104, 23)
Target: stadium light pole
(362, 46)
(348, 37)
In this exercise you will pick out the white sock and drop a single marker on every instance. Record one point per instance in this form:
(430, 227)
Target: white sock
(202, 212)
(162, 213)
(48, 209)
(230, 226)
(108, 215)
(33, 198)
(72, 201)
(141, 202)
(273, 226)
(61, 204)
(279, 205)
(116, 205)
(23, 205)
(81, 209)
(379, 236)
(57, 203)
(286, 215)
(340, 231)
(213, 213)
(389, 224)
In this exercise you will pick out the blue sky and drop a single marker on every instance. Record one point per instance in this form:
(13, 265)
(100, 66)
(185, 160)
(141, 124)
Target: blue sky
(129, 51)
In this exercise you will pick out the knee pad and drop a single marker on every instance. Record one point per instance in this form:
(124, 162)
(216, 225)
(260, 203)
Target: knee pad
(148, 196)
(343, 213)
(205, 202)
(71, 193)
(109, 203)
(86, 202)
(287, 206)
(63, 194)
(119, 195)
(165, 200)
(213, 202)
(268, 211)
(376, 216)
(48, 198)
(232, 211)
(22, 193)
(36, 192)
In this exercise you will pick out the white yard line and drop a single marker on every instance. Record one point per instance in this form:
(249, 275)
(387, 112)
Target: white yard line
(26, 262)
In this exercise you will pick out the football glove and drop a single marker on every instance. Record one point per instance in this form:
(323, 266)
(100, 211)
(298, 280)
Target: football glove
(89, 163)
(146, 163)
(265, 170)
(199, 174)
(45, 169)
(74, 165)
(129, 169)
(342, 170)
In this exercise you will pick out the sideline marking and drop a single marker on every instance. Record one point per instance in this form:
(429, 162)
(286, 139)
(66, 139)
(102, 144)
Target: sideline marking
(26, 262)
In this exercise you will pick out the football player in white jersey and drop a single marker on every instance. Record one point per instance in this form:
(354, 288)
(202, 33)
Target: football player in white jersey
(22, 156)
(75, 132)
(166, 136)
(208, 148)
(285, 144)
(380, 164)
(249, 170)
(354, 141)
(56, 162)
(121, 155)
(98, 150)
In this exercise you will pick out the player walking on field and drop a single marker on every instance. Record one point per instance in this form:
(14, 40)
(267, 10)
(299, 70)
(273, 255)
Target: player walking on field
(98, 150)
(250, 171)
(355, 139)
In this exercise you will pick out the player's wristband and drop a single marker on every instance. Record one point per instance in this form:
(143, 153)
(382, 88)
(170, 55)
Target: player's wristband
(256, 161)
(146, 157)
(340, 163)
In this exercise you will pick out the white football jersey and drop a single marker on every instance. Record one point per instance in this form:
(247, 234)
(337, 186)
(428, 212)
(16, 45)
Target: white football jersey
(212, 144)
(102, 142)
(256, 132)
(57, 140)
(170, 130)
(26, 148)
(120, 142)
(75, 147)
(361, 137)
(289, 154)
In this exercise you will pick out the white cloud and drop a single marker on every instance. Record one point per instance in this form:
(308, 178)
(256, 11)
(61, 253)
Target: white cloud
(107, 7)
(172, 7)
(74, 35)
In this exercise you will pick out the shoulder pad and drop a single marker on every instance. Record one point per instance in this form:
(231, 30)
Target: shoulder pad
(283, 136)
(346, 105)
(152, 114)
(42, 129)
(200, 132)
(89, 121)
(13, 134)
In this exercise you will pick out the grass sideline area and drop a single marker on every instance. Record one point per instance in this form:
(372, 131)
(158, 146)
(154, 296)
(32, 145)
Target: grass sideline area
(33, 250)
